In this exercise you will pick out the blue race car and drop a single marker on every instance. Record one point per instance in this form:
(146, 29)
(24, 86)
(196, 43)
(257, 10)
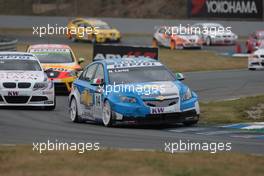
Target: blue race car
(132, 91)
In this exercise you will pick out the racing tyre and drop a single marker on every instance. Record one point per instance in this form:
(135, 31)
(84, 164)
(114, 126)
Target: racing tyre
(74, 111)
(74, 39)
(252, 69)
(107, 114)
(208, 41)
(51, 108)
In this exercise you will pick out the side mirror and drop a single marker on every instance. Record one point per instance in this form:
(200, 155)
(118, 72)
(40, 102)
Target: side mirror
(97, 82)
(180, 76)
(81, 60)
(48, 70)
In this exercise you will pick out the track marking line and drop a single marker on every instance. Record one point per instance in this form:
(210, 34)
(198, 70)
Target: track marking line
(215, 132)
(187, 130)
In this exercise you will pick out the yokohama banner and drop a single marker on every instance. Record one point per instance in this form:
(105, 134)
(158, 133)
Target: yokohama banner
(250, 9)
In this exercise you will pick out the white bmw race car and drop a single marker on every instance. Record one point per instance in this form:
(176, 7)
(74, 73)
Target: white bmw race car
(23, 82)
(256, 59)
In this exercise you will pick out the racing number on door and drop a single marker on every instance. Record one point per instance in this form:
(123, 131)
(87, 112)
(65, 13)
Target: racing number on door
(97, 99)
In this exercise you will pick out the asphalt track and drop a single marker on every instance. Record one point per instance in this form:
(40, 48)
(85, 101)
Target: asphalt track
(25, 126)
(126, 25)
(136, 39)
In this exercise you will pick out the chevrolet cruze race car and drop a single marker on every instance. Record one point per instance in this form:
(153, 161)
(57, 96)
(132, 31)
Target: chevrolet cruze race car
(167, 37)
(59, 62)
(23, 82)
(256, 59)
(131, 91)
(93, 30)
(215, 34)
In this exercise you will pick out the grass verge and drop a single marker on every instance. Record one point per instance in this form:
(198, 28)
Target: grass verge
(249, 109)
(21, 160)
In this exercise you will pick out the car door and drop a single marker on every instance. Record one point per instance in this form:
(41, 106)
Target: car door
(86, 94)
(98, 93)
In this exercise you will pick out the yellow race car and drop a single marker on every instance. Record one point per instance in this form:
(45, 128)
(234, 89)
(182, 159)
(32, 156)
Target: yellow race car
(59, 62)
(94, 30)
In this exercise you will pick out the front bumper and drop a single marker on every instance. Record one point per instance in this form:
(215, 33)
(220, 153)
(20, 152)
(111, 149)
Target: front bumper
(108, 38)
(27, 98)
(223, 41)
(192, 45)
(256, 63)
(167, 118)
(140, 114)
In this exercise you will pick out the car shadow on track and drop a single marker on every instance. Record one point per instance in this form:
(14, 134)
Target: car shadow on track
(144, 127)
(21, 108)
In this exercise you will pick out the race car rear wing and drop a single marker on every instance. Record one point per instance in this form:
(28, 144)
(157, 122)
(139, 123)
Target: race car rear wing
(103, 51)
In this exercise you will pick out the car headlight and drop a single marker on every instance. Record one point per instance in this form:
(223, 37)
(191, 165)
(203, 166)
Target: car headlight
(126, 99)
(187, 95)
(255, 56)
(41, 86)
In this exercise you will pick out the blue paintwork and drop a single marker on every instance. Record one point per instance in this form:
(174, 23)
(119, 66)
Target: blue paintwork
(137, 109)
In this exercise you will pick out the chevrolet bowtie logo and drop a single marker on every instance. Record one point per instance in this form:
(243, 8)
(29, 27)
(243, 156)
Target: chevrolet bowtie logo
(160, 98)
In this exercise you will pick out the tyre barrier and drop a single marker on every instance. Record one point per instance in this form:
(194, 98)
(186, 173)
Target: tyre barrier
(8, 44)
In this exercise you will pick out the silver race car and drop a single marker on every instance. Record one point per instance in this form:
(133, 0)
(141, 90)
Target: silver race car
(23, 82)
(215, 34)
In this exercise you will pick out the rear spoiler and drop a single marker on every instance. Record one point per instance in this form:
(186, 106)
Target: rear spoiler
(103, 51)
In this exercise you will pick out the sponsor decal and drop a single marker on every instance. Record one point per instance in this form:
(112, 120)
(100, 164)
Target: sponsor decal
(226, 8)
(130, 64)
(120, 52)
(57, 67)
(161, 98)
(97, 99)
(86, 98)
(47, 50)
(13, 93)
(19, 75)
(158, 110)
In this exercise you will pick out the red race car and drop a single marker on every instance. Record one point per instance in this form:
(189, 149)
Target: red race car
(254, 41)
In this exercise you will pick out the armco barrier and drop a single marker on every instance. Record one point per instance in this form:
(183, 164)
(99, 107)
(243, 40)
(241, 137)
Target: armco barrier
(7, 44)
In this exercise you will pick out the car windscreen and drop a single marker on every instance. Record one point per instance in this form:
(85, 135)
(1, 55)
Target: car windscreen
(102, 26)
(139, 75)
(54, 56)
(15, 64)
